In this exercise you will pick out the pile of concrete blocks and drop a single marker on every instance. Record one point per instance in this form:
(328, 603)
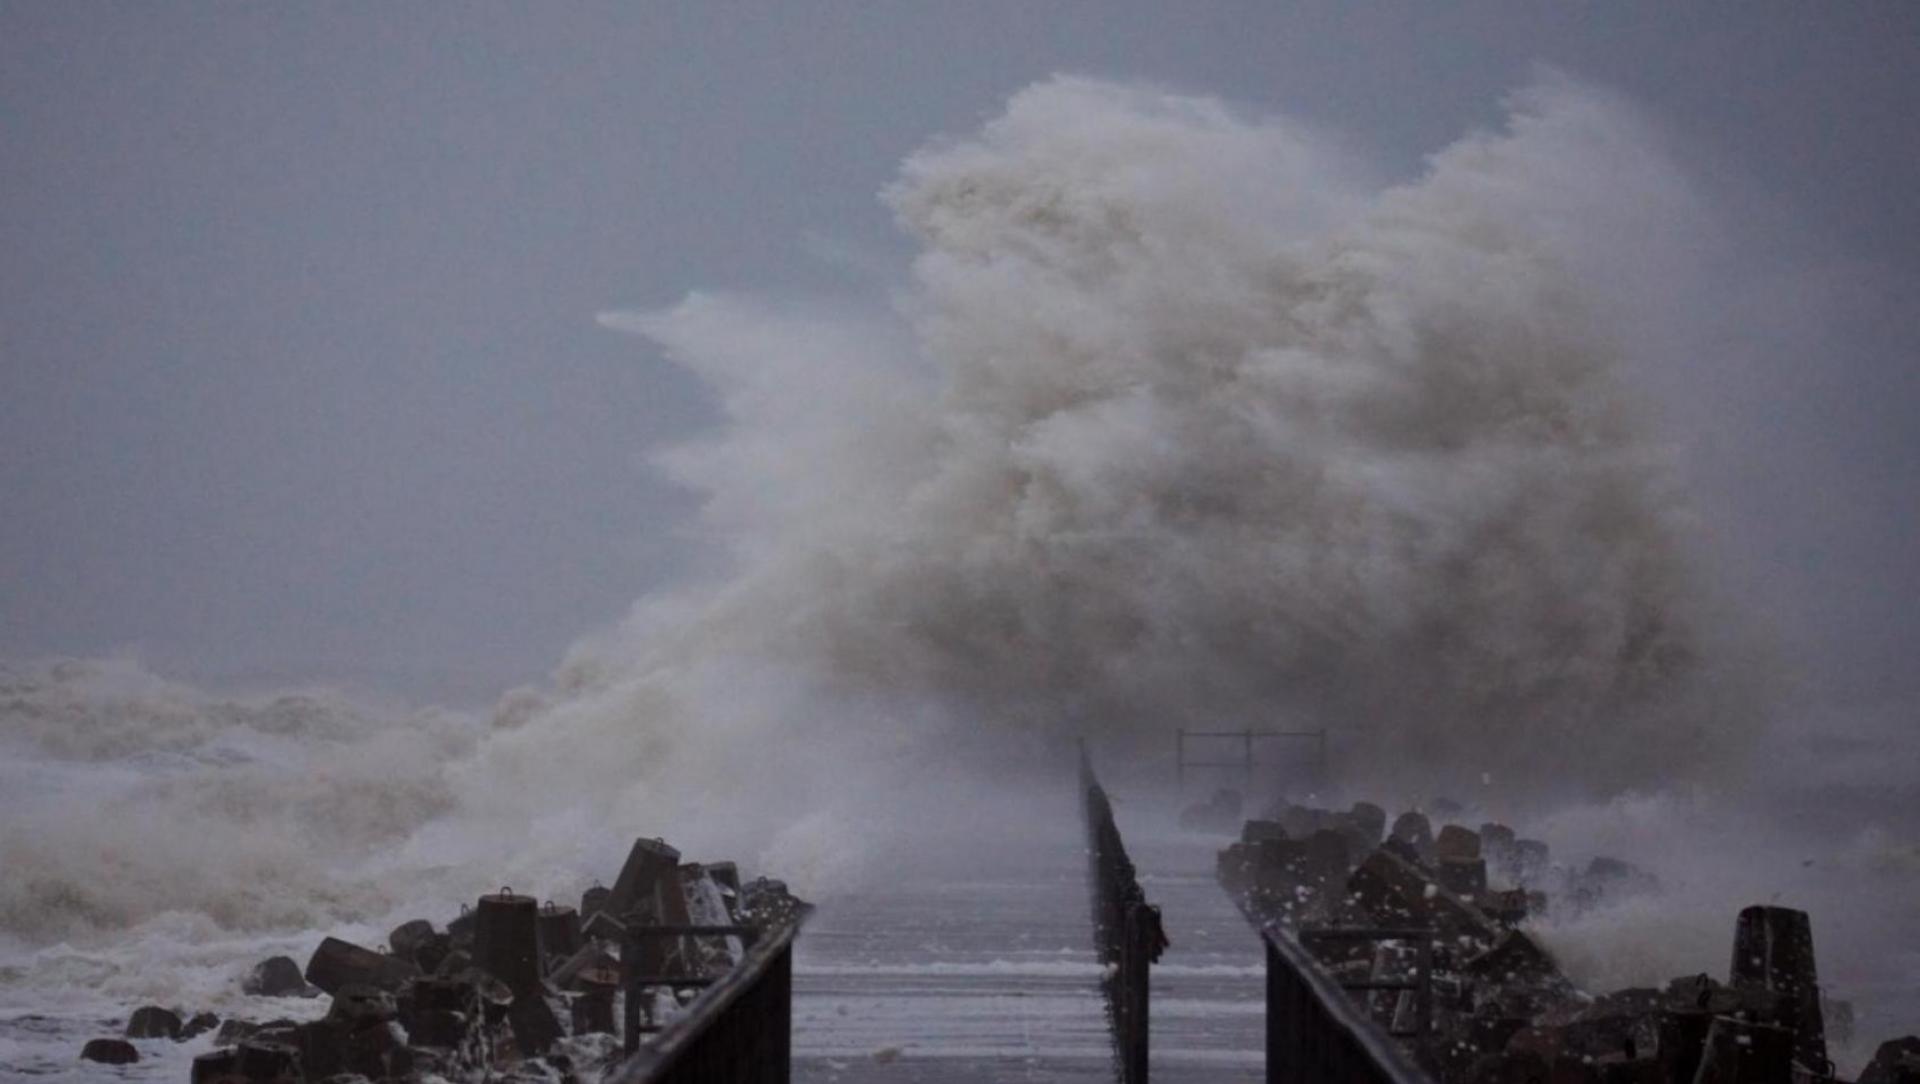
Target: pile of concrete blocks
(1375, 909)
(509, 989)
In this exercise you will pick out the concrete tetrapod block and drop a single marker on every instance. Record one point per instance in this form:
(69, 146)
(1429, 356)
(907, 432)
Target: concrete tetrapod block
(1413, 829)
(559, 930)
(1744, 1052)
(1456, 843)
(1896, 1062)
(337, 964)
(647, 862)
(593, 901)
(506, 940)
(1773, 951)
(1395, 892)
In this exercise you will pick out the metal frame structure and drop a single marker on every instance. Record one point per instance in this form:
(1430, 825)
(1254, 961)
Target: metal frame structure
(1246, 762)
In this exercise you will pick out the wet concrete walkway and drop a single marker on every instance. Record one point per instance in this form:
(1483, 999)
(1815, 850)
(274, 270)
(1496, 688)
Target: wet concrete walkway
(950, 976)
(1209, 988)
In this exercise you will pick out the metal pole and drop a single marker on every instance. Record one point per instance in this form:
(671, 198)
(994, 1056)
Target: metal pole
(1247, 736)
(1180, 759)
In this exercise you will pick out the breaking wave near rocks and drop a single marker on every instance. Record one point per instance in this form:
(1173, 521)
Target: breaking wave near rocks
(1182, 417)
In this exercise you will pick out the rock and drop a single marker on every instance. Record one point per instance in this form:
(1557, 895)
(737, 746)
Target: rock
(461, 930)
(1773, 952)
(277, 976)
(1404, 851)
(1328, 860)
(535, 1027)
(1457, 844)
(455, 963)
(727, 874)
(1896, 1062)
(445, 1014)
(201, 1023)
(1371, 820)
(109, 1052)
(249, 1063)
(1413, 829)
(409, 937)
(1701, 993)
(495, 997)
(280, 1031)
(1397, 893)
(1464, 877)
(766, 903)
(357, 1036)
(605, 928)
(361, 1006)
(1255, 831)
(1299, 821)
(593, 901)
(1509, 908)
(591, 964)
(1743, 1052)
(1625, 1023)
(506, 940)
(217, 1067)
(433, 952)
(153, 1022)
(262, 1062)
(1514, 958)
(592, 1010)
(707, 906)
(337, 964)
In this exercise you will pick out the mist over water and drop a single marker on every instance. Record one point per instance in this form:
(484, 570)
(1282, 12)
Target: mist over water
(1183, 418)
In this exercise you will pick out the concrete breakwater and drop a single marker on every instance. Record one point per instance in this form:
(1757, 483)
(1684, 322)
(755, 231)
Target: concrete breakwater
(509, 988)
(1428, 931)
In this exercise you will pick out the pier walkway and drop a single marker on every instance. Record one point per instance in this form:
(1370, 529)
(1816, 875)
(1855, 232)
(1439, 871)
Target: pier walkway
(950, 975)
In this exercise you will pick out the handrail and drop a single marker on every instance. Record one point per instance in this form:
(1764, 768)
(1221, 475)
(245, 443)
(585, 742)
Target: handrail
(1315, 1031)
(740, 1028)
(1126, 928)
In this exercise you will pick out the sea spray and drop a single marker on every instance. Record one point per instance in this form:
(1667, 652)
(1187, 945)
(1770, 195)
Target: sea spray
(1179, 419)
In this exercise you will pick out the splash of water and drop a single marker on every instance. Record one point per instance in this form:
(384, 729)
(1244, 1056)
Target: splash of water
(1180, 419)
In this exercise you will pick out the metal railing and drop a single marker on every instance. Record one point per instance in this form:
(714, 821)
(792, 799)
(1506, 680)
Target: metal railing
(1242, 759)
(1418, 982)
(1316, 1032)
(1126, 929)
(738, 1031)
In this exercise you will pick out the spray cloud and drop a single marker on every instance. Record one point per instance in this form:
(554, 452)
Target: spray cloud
(1181, 419)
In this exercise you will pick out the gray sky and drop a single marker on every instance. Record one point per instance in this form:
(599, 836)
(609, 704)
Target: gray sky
(298, 368)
